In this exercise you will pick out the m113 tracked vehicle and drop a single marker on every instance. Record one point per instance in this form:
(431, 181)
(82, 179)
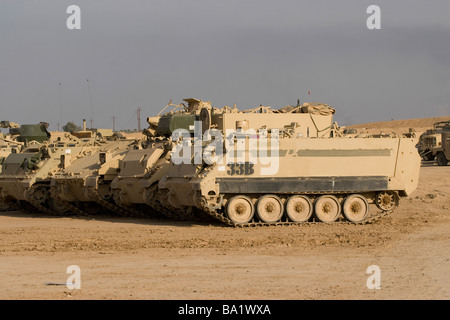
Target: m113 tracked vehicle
(289, 166)
(9, 142)
(262, 166)
(8, 145)
(135, 187)
(26, 175)
(20, 136)
(140, 171)
(17, 138)
(82, 184)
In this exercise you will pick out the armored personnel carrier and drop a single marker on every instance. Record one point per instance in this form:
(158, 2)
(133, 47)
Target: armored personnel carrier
(9, 142)
(97, 133)
(266, 166)
(81, 185)
(78, 182)
(26, 175)
(135, 186)
(431, 139)
(15, 140)
(20, 136)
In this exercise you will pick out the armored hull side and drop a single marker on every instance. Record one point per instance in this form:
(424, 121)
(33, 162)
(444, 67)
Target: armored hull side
(306, 177)
(26, 176)
(77, 184)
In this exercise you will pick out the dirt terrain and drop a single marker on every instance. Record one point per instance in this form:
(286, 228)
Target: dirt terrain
(136, 258)
(399, 126)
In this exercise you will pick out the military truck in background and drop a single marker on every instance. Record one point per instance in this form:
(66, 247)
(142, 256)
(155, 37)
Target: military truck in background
(432, 138)
(442, 152)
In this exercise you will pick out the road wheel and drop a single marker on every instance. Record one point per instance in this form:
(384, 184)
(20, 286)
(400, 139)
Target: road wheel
(386, 200)
(299, 208)
(355, 208)
(40, 194)
(441, 159)
(104, 189)
(327, 208)
(269, 208)
(57, 206)
(240, 209)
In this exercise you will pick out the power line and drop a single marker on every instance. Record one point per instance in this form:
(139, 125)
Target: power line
(60, 106)
(127, 124)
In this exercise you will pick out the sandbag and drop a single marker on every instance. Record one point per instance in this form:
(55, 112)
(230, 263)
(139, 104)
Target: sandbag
(317, 108)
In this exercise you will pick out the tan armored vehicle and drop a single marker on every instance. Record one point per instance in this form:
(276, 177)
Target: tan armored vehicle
(97, 133)
(431, 139)
(442, 152)
(9, 142)
(290, 166)
(25, 176)
(7, 146)
(15, 140)
(135, 187)
(81, 184)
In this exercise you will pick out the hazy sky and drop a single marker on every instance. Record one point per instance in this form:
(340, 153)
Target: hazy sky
(248, 52)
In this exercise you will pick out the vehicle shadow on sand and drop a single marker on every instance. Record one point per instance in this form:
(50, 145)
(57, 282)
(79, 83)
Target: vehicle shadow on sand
(111, 217)
(429, 164)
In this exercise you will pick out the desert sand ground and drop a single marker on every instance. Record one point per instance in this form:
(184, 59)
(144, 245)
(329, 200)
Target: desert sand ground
(136, 258)
(400, 126)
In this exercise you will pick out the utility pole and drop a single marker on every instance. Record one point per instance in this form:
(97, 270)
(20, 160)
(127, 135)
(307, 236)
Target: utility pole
(114, 123)
(139, 118)
(91, 121)
(58, 125)
(90, 102)
(60, 106)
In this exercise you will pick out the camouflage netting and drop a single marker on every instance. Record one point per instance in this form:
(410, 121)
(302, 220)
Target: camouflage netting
(318, 108)
(310, 107)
